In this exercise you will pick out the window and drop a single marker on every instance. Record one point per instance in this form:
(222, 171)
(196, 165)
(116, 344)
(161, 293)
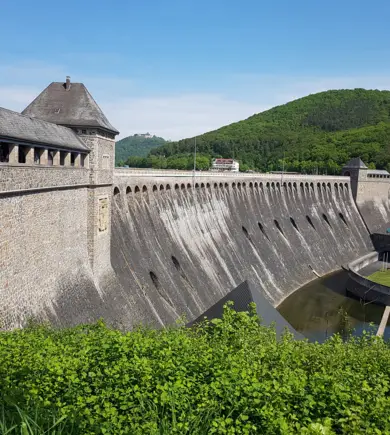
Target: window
(50, 157)
(22, 154)
(4, 153)
(62, 157)
(37, 156)
(72, 159)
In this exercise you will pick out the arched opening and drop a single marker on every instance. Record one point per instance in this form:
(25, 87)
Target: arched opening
(161, 187)
(226, 185)
(294, 224)
(144, 189)
(196, 185)
(245, 231)
(244, 184)
(343, 218)
(239, 185)
(256, 185)
(208, 185)
(116, 191)
(176, 263)
(176, 186)
(189, 186)
(182, 186)
(262, 230)
(234, 185)
(251, 185)
(279, 227)
(154, 188)
(326, 219)
(136, 189)
(310, 222)
(128, 190)
(202, 185)
(168, 187)
(221, 185)
(154, 279)
(215, 185)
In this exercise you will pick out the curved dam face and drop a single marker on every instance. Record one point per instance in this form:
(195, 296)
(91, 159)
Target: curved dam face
(178, 246)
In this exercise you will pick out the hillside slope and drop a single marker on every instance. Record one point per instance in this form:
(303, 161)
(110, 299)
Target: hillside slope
(136, 145)
(318, 132)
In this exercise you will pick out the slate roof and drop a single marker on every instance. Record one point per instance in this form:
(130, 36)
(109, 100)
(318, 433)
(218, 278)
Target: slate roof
(355, 163)
(24, 129)
(242, 296)
(70, 107)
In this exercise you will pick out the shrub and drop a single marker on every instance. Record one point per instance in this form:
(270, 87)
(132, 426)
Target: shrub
(227, 376)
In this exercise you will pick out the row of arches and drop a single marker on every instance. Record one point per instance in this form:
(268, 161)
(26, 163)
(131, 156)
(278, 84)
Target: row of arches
(337, 187)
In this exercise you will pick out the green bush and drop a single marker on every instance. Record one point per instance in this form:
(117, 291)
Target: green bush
(230, 376)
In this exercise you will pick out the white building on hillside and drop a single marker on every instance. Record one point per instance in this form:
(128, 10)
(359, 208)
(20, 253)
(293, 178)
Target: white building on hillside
(225, 165)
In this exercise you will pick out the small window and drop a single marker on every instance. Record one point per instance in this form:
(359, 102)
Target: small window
(4, 153)
(72, 159)
(22, 154)
(37, 156)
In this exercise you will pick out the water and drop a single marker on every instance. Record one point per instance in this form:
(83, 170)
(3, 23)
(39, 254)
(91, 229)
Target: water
(322, 308)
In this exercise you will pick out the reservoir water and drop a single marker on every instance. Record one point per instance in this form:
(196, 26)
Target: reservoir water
(322, 308)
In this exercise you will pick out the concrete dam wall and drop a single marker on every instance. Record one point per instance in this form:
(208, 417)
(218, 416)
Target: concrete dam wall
(178, 245)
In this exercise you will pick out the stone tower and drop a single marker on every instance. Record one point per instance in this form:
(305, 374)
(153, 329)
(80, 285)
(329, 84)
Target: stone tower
(357, 171)
(71, 105)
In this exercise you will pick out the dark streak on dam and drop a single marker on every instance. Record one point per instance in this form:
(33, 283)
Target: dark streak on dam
(178, 249)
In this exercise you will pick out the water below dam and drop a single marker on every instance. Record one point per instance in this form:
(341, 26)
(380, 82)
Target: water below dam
(322, 308)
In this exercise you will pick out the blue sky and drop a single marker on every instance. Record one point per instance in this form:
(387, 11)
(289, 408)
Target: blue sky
(181, 67)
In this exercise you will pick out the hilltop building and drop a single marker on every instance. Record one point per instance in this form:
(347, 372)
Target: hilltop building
(225, 165)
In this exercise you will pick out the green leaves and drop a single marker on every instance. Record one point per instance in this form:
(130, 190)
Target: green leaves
(225, 376)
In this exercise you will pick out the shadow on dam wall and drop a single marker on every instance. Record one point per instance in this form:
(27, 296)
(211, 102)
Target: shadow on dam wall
(178, 251)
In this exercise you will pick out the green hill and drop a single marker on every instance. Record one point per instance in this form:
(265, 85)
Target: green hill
(319, 132)
(137, 145)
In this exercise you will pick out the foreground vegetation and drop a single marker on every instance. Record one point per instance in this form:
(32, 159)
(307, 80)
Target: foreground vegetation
(381, 277)
(315, 134)
(234, 377)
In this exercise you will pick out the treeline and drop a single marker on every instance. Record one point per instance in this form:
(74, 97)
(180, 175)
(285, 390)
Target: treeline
(181, 161)
(135, 146)
(317, 133)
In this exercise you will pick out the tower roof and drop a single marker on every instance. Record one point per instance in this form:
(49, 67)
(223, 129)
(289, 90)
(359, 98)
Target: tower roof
(24, 129)
(356, 163)
(68, 104)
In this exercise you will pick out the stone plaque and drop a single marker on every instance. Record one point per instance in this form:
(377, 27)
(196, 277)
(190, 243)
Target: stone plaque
(103, 214)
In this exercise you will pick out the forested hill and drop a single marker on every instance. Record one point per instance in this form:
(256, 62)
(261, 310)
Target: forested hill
(137, 145)
(318, 132)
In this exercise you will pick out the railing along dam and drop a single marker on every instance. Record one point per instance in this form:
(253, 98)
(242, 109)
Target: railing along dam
(181, 242)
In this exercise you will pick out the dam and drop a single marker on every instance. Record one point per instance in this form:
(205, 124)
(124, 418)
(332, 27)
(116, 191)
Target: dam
(81, 240)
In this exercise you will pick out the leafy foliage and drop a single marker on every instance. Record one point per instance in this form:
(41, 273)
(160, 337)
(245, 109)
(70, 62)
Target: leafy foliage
(227, 376)
(317, 133)
(135, 146)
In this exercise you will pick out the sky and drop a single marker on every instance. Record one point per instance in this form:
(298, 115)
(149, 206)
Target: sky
(179, 68)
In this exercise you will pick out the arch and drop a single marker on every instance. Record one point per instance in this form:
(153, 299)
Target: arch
(226, 185)
(144, 188)
(245, 231)
(220, 185)
(256, 185)
(202, 185)
(294, 224)
(279, 227)
(234, 185)
(116, 191)
(295, 186)
(154, 279)
(262, 230)
(310, 222)
(341, 187)
(346, 186)
(273, 185)
(176, 186)
(239, 185)
(244, 184)
(208, 185)
(325, 217)
(341, 216)
(278, 186)
(189, 186)
(285, 185)
(176, 263)
(154, 188)
(168, 187)
(267, 185)
(196, 185)
(251, 185)
(161, 187)
(312, 186)
(182, 186)
(329, 187)
(136, 189)
(324, 186)
(128, 190)
(216, 185)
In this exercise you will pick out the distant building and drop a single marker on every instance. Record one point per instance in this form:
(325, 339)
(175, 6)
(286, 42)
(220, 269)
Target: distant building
(225, 165)
(145, 135)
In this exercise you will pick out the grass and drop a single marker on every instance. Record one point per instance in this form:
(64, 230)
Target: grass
(381, 277)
